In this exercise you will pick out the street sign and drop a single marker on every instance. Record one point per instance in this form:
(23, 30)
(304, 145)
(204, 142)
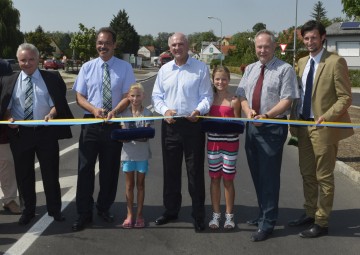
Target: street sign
(283, 46)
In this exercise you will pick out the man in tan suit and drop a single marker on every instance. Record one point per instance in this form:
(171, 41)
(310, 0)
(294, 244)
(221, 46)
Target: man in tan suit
(326, 95)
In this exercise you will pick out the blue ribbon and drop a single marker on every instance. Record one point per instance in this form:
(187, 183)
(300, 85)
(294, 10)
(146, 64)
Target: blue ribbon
(57, 122)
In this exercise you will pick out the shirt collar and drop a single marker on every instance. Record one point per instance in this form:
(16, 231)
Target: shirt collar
(317, 58)
(268, 64)
(109, 62)
(188, 63)
(35, 75)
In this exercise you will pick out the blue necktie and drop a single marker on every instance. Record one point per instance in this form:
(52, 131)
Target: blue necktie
(107, 99)
(29, 93)
(308, 91)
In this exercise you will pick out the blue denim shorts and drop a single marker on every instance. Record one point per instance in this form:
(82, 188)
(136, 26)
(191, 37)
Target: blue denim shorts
(139, 166)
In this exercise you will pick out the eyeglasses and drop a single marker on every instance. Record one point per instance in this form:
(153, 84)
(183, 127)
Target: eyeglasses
(104, 43)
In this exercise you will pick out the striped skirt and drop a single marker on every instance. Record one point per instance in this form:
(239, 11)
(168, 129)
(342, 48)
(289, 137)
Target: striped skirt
(222, 151)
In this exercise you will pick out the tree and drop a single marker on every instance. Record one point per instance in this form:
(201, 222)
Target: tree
(41, 41)
(127, 38)
(245, 49)
(161, 42)
(83, 43)
(10, 35)
(258, 26)
(146, 40)
(319, 14)
(62, 40)
(351, 9)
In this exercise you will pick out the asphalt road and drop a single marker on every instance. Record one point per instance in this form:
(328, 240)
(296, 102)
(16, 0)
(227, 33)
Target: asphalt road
(43, 236)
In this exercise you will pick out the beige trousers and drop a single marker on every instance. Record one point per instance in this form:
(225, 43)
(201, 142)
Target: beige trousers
(7, 174)
(317, 163)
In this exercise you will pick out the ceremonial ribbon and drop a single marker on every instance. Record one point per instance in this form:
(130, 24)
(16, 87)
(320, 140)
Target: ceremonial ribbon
(56, 122)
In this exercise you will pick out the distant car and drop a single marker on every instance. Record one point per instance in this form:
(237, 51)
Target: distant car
(53, 64)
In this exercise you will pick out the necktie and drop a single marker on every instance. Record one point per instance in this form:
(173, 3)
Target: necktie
(107, 100)
(29, 93)
(257, 91)
(308, 91)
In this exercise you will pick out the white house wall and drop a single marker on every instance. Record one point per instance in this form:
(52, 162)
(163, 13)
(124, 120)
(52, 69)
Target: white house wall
(352, 62)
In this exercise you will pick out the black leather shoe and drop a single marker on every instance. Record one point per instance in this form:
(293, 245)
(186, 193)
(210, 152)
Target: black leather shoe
(303, 220)
(253, 222)
(81, 222)
(314, 231)
(107, 216)
(199, 225)
(164, 219)
(57, 216)
(26, 218)
(259, 235)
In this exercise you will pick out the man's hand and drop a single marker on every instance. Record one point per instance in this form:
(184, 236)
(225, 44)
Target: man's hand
(193, 116)
(49, 117)
(98, 113)
(320, 120)
(11, 119)
(170, 113)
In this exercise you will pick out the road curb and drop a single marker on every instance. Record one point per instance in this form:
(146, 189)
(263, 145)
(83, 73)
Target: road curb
(348, 171)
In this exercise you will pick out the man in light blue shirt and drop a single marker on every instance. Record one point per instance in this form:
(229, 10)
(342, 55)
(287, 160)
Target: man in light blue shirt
(101, 90)
(182, 88)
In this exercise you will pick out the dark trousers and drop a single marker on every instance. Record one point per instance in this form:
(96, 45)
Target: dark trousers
(183, 139)
(95, 141)
(25, 142)
(264, 148)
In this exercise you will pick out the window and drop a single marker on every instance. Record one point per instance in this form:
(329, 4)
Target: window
(348, 49)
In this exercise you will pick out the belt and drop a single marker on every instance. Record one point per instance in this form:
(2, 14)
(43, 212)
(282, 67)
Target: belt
(308, 119)
(32, 128)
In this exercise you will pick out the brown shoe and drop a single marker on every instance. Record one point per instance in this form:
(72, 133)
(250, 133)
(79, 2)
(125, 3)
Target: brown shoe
(12, 207)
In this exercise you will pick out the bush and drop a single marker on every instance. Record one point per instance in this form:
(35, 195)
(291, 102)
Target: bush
(354, 78)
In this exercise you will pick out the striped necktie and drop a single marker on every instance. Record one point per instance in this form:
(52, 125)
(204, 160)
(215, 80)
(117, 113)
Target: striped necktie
(107, 99)
(29, 94)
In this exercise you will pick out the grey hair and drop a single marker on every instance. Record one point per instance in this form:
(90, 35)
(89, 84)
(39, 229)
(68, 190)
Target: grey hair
(27, 46)
(178, 34)
(268, 32)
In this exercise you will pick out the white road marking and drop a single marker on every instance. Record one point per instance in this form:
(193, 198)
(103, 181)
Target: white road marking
(39, 227)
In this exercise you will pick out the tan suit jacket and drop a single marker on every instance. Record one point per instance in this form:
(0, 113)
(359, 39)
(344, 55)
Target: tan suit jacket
(331, 95)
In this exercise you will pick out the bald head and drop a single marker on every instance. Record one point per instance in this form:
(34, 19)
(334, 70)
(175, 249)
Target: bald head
(179, 47)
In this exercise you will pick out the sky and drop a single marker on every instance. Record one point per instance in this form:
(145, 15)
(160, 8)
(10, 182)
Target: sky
(187, 16)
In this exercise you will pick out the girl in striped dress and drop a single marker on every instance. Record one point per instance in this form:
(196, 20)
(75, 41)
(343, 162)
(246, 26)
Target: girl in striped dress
(222, 149)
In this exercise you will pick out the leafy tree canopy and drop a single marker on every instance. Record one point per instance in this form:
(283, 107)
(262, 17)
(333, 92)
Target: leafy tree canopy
(319, 14)
(83, 43)
(10, 35)
(352, 9)
(258, 26)
(127, 38)
(41, 40)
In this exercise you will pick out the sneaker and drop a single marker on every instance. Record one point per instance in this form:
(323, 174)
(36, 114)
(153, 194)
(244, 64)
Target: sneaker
(12, 207)
(214, 223)
(229, 221)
